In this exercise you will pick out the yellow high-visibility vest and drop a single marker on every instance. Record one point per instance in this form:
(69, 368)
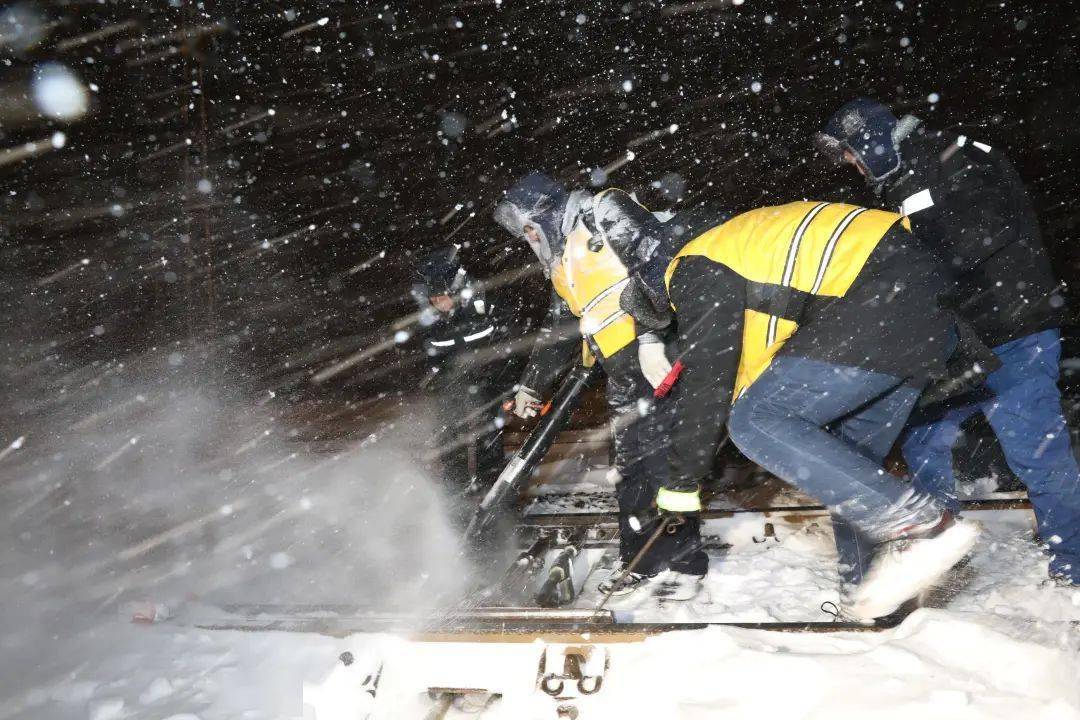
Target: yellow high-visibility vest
(786, 253)
(590, 277)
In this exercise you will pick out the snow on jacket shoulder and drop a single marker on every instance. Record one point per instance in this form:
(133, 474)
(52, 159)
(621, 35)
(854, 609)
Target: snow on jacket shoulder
(633, 232)
(965, 200)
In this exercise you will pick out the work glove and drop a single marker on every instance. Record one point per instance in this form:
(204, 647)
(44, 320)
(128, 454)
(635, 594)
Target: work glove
(673, 509)
(653, 360)
(526, 403)
(965, 371)
(682, 502)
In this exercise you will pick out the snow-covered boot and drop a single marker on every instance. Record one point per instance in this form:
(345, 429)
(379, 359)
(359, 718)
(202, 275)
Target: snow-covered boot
(675, 586)
(1061, 581)
(623, 584)
(911, 562)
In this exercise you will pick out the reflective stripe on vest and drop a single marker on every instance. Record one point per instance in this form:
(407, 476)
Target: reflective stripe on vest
(789, 264)
(788, 254)
(481, 334)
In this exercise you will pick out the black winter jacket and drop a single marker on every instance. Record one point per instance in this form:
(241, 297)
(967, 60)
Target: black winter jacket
(966, 201)
(472, 336)
(888, 322)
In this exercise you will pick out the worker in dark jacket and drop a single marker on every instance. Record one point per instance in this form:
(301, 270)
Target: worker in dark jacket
(584, 242)
(463, 335)
(817, 324)
(967, 200)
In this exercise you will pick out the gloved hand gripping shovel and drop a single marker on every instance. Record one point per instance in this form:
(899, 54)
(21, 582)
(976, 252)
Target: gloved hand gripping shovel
(515, 476)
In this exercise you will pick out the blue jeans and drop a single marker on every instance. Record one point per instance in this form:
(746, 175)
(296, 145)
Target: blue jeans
(1022, 403)
(826, 429)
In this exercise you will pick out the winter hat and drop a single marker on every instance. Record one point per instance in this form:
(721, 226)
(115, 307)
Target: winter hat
(441, 271)
(539, 201)
(869, 131)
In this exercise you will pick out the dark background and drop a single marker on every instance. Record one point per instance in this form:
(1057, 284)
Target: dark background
(185, 230)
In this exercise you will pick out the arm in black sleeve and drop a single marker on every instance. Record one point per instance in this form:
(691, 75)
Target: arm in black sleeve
(557, 346)
(499, 308)
(433, 339)
(709, 300)
(966, 211)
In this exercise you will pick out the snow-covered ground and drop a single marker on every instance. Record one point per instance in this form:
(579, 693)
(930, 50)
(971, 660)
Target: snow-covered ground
(170, 498)
(938, 664)
(1000, 650)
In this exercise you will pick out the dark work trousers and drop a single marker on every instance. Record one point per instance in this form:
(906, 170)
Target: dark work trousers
(469, 422)
(641, 431)
(1022, 402)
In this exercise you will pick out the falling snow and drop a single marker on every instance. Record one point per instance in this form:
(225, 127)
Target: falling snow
(215, 381)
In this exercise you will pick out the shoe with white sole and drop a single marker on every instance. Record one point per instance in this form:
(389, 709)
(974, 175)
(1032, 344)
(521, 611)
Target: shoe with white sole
(1061, 581)
(620, 584)
(675, 586)
(904, 567)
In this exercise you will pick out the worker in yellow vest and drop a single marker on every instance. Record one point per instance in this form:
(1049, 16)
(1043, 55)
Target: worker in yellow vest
(810, 329)
(585, 244)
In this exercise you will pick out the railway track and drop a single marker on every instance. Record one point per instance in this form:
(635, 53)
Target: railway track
(493, 619)
(1015, 501)
(491, 624)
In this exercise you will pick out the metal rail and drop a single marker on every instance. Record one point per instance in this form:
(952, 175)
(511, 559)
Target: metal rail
(611, 518)
(525, 624)
(489, 624)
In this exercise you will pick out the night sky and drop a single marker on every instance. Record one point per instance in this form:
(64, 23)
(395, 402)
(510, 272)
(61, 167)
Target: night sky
(252, 180)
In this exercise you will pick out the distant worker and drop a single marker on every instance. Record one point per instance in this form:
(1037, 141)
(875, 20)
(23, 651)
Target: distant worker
(464, 337)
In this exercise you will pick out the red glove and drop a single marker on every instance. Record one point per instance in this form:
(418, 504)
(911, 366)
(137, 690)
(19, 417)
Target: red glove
(669, 381)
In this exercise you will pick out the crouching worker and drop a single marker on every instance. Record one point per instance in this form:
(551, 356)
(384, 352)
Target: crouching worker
(810, 328)
(584, 244)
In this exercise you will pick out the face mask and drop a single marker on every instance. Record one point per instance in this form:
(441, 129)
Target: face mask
(514, 219)
(540, 246)
(538, 201)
